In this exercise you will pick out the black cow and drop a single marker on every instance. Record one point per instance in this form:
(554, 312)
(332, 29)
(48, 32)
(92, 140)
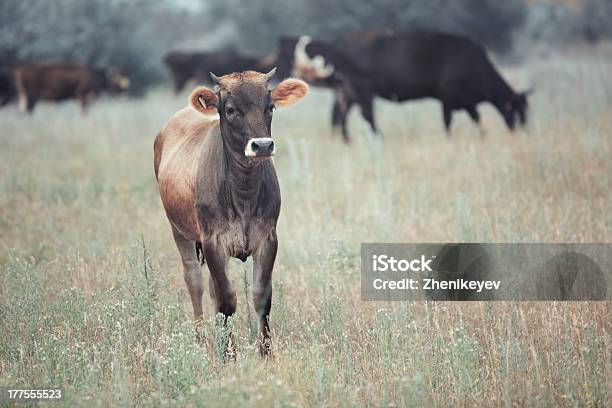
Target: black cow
(401, 67)
(186, 66)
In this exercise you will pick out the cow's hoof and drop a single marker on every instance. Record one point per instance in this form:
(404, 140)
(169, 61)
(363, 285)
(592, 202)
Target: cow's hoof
(199, 332)
(265, 348)
(230, 350)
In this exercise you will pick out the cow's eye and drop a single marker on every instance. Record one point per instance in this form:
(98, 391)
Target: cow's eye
(271, 108)
(230, 111)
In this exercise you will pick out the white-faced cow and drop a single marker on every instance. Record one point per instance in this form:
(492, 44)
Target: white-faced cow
(219, 187)
(400, 67)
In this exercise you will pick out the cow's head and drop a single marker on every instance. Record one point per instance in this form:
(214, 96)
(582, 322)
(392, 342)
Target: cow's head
(245, 105)
(312, 68)
(516, 108)
(118, 82)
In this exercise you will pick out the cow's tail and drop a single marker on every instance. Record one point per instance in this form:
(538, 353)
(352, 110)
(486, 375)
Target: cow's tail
(200, 253)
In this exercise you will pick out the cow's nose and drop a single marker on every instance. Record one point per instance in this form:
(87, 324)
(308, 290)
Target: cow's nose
(260, 147)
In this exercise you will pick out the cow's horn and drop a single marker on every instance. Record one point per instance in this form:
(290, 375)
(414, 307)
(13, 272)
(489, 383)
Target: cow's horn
(270, 74)
(215, 78)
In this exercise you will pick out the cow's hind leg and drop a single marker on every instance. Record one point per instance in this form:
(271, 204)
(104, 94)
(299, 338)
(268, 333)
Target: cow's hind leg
(221, 288)
(192, 273)
(23, 102)
(367, 111)
(343, 116)
(30, 104)
(263, 263)
(447, 115)
(336, 113)
(342, 106)
(473, 112)
(26, 103)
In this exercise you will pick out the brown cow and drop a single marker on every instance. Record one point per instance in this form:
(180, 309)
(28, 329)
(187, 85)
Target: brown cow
(219, 187)
(62, 81)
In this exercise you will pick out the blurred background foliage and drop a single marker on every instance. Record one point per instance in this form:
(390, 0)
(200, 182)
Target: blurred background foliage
(133, 35)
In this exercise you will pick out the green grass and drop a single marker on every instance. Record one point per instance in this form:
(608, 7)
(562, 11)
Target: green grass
(81, 219)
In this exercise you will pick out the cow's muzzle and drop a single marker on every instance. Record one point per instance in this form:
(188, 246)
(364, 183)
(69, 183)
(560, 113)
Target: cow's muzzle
(260, 148)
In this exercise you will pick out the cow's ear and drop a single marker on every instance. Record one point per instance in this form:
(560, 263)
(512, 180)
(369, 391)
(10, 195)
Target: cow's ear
(204, 100)
(289, 92)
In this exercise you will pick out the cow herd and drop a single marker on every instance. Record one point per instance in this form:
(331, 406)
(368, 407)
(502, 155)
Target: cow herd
(357, 66)
(212, 161)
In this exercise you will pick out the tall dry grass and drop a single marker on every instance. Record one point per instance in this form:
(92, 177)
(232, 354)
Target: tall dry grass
(81, 217)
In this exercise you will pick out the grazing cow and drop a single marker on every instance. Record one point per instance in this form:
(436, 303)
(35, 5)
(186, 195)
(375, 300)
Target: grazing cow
(186, 66)
(63, 81)
(405, 66)
(219, 187)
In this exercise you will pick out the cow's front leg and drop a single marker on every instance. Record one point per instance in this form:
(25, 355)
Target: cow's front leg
(263, 263)
(222, 292)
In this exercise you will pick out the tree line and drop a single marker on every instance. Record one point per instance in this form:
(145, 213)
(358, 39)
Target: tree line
(133, 35)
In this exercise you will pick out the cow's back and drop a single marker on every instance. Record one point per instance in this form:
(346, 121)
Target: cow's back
(177, 151)
(53, 81)
(415, 63)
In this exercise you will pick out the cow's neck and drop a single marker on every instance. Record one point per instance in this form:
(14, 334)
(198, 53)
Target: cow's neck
(244, 181)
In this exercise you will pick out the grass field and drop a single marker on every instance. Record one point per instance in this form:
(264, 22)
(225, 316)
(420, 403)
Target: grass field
(92, 296)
